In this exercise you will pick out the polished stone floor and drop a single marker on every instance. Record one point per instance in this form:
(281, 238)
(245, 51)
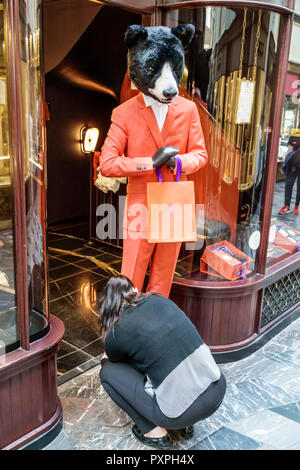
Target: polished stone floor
(260, 411)
(77, 273)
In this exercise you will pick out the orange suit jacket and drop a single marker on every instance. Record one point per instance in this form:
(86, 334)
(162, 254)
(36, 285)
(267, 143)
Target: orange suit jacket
(134, 137)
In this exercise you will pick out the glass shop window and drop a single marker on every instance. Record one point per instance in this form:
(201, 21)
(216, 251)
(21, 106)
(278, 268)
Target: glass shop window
(8, 313)
(284, 236)
(283, 3)
(34, 164)
(229, 73)
(31, 55)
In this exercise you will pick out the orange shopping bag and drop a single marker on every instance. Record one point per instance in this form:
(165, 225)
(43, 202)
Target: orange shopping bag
(171, 209)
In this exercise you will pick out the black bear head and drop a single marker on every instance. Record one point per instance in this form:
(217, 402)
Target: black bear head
(156, 58)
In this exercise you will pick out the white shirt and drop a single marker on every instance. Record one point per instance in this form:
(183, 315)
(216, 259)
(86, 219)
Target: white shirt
(160, 109)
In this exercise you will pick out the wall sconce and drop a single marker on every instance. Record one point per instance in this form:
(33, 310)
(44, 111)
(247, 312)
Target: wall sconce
(88, 139)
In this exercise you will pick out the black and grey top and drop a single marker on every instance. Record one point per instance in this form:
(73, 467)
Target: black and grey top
(160, 341)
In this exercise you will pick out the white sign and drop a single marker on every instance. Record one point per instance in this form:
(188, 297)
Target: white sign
(245, 102)
(2, 92)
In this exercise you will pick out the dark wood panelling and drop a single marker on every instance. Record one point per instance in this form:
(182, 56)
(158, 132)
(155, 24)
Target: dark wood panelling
(221, 321)
(228, 314)
(28, 391)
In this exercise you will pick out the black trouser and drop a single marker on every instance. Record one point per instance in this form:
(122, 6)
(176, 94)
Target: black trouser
(290, 178)
(125, 386)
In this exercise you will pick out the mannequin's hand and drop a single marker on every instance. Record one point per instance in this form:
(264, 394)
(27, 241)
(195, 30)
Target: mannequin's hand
(171, 163)
(163, 155)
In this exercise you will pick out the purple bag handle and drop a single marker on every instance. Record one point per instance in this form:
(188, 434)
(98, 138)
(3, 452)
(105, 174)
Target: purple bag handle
(178, 171)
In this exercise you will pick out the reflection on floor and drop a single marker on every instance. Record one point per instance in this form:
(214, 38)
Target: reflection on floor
(261, 408)
(76, 273)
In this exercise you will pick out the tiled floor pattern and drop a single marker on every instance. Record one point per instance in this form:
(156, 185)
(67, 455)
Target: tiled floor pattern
(260, 411)
(73, 266)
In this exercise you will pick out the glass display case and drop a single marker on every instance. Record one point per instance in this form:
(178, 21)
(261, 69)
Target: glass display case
(236, 68)
(229, 74)
(284, 3)
(29, 336)
(284, 239)
(32, 170)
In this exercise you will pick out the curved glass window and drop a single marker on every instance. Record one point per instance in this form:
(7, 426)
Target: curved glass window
(284, 235)
(230, 74)
(283, 3)
(34, 159)
(31, 94)
(8, 313)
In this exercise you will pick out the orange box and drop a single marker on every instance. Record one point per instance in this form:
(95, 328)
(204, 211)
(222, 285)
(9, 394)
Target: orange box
(204, 268)
(284, 240)
(223, 263)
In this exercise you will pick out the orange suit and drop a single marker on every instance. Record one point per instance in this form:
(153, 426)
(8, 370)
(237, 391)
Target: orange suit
(135, 134)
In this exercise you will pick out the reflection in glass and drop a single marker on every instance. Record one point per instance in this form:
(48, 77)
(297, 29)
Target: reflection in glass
(285, 222)
(283, 3)
(34, 150)
(230, 75)
(8, 331)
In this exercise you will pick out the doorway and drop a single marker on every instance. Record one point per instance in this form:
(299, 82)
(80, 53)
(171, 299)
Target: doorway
(85, 64)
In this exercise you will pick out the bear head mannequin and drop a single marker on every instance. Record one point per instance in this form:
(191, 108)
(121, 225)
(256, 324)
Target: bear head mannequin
(156, 58)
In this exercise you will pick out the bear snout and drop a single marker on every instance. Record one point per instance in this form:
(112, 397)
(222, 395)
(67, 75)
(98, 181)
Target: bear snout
(170, 92)
(165, 87)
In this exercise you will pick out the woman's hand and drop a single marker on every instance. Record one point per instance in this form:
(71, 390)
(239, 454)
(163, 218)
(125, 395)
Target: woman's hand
(104, 356)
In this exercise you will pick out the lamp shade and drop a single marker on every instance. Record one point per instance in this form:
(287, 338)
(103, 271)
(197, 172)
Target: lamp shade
(88, 139)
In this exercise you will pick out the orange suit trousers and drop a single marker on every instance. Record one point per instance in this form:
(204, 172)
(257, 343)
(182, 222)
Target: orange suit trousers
(162, 257)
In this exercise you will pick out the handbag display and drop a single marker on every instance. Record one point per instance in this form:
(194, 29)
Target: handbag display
(171, 209)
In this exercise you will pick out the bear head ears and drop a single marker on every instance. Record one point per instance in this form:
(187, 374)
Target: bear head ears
(134, 33)
(183, 32)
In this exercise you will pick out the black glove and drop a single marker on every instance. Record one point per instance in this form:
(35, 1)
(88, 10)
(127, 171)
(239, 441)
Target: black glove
(163, 155)
(171, 163)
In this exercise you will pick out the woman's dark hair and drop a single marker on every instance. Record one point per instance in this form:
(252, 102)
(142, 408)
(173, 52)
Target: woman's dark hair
(118, 292)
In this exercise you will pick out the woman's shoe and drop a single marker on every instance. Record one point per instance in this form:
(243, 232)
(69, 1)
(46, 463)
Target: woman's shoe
(163, 443)
(284, 210)
(187, 432)
(296, 210)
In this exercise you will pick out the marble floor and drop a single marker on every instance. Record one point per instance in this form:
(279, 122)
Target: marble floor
(77, 272)
(260, 411)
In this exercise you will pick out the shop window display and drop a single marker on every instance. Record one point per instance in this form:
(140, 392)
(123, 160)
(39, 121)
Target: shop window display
(284, 237)
(34, 184)
(230, 75)
(8, 331)
(283, 3)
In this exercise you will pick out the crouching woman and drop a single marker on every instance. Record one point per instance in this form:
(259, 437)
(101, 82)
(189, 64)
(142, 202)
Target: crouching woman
(156, 367)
